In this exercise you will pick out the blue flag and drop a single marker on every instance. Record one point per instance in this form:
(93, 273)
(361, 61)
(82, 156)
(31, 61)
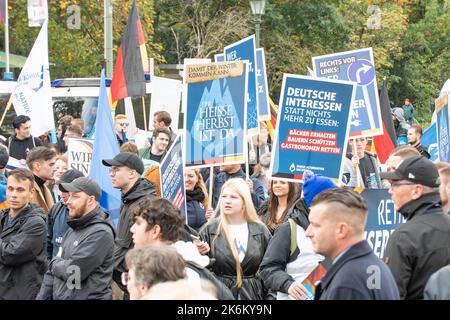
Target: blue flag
(105, 147)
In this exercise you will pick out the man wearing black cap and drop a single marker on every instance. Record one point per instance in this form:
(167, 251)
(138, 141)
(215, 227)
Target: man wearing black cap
(421, 245)
(126, 170)
(58, 214)
(82, 269)
(22, 141)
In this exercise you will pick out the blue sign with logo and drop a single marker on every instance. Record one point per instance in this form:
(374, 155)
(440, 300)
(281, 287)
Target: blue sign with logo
(382, 219)
(312, 127)
(263, 88)
(442, 128)
(172, 176)
(245, 50)
(357, 66)
(215, 121)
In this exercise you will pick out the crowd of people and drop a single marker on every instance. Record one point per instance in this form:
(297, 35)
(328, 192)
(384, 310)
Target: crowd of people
(252, 238)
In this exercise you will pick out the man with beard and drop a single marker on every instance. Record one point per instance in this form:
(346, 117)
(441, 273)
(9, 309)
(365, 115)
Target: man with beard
(82, 269)
(160, 143)
(414, 136)
(126, 170)
(444, 188)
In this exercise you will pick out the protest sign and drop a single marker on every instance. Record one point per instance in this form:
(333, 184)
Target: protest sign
(80, 154)
(442, 128)
(245, 50)
(263, 88)
(220, 57)
(215, 113)
(312, 127)
(172, 177)
(382, 219)
(357, 66)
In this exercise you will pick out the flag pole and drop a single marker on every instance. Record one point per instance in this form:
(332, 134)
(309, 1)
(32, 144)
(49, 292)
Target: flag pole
(6, 37)
(144, 113)
(211, 183)
(10, 101)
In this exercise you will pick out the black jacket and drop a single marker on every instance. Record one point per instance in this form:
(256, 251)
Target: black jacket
(23, 259)
(423, 151)
(278, 255)
(85, 269)
(124, 240)
(19, 148)
(224, 266)
(358, 275)
(258, 195)
(195, 208)
(420, 246)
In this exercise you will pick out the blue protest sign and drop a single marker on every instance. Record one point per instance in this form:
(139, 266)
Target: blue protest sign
(245, 50)
(215, 114)
(312, 127)
(382, 219)
(172, 176)
(263, 88)
(357, 66)
(442, 128)
(220, 57)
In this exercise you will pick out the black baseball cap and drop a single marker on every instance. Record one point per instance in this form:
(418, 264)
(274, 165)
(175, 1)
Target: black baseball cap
(126, 159)
(69, 176)
(82, 184)
(416, 169)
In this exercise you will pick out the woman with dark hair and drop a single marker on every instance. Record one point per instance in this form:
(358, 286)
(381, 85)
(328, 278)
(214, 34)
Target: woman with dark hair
(279, 206)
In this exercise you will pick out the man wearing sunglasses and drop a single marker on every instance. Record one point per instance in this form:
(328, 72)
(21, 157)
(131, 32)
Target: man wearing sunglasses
(421, 245)
(121, 125)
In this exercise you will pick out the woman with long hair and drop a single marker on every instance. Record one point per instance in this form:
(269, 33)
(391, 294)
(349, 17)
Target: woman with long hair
(196, 198)
(277, 209)
(237, 240)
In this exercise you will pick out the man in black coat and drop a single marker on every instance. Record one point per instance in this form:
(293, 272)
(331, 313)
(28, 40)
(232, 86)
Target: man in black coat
(421, 245)
(83, 267)
(22, 240)
(336, 230)
(22, 141)
(126, 171)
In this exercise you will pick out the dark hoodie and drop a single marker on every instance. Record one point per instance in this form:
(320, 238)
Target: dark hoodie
(124, 241)
(84, 270)
(420, 246)
(22, 253)
(278, 255)
(19, 148)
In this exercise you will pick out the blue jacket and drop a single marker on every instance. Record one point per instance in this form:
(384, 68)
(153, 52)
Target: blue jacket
(195, 214)
(258, 196)
(56, 228)
(358, 275)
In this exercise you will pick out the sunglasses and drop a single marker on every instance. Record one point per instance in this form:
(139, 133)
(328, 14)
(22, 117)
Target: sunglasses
(124, 124)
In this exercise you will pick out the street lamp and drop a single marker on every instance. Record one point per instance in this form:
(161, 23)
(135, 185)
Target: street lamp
(258, 7)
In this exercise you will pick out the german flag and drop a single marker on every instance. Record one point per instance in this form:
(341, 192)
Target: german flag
(385, 143)
(132, 61)
(272, 123)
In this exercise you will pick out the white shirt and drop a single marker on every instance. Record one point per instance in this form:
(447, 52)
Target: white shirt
(239, 235)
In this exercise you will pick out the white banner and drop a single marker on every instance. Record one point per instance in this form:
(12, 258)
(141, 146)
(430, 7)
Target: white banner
(166, 96)
(32, 94)
(37, 12)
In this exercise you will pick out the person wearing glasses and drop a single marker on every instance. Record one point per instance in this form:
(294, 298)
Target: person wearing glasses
(120, 126)
(126, 170)
(421, 245)
(83, 267)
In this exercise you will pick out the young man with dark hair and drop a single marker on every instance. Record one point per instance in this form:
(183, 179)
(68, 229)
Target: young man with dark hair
(159, 222)
(22, 240)
(22, 141)
(160, 144)
(162, 119)
(41, 161)
(337, 220)
(126, 170)
(414, 136)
